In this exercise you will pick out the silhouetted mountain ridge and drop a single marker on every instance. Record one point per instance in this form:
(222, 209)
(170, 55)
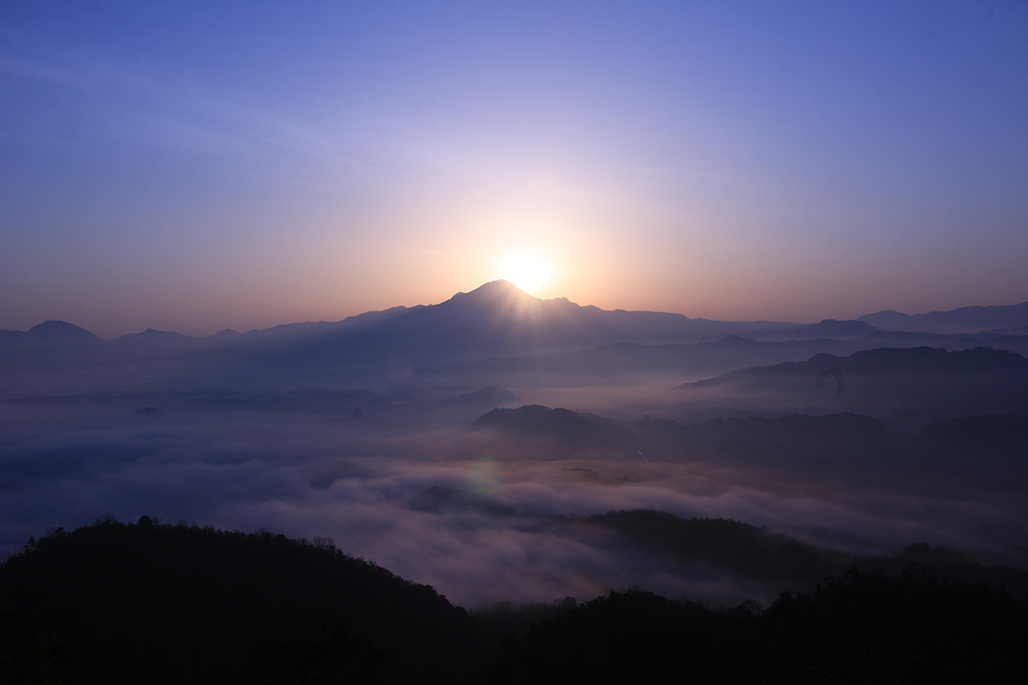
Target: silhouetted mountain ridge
(496, 321)
(962, 320)
(887, 360)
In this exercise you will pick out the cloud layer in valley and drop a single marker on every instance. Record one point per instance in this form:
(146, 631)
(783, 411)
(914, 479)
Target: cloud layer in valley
(481, 518)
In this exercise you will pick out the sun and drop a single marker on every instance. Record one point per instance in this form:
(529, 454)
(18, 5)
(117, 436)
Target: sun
(527, 271)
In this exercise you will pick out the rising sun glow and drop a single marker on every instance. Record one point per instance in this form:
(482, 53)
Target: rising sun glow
(527, 271)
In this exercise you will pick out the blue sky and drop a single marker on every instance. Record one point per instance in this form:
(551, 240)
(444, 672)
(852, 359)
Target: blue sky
(196, 166)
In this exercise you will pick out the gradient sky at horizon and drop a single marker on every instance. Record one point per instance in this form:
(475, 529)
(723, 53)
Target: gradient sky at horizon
(193, 166)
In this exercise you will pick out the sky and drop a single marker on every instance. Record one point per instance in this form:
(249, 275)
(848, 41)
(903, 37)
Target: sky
(194, 166)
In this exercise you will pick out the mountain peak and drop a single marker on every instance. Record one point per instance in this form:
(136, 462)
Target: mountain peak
(60, 331)
(499, 291)
(494, 287)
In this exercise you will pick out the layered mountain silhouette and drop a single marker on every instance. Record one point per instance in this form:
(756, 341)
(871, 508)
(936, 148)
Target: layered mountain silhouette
(827, 328)
(494, 320)
(479, 337)
(886, 361)
(917, 385)
(499, 319)
(962, 320)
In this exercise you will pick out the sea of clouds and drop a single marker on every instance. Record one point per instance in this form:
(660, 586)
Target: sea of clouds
(480, 519)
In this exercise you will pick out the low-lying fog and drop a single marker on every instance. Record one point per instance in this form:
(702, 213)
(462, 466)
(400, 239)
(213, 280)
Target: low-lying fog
(472, 512)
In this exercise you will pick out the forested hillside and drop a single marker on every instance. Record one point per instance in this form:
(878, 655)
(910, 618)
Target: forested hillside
(153, 603)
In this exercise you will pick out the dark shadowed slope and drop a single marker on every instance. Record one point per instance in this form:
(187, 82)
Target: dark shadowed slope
(176, 604)
(910, 628)
(740, 549)
(150, 603)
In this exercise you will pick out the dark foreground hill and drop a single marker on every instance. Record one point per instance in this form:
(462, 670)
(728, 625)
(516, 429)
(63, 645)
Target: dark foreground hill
(911, 628)
(146, 603)
(175, 604)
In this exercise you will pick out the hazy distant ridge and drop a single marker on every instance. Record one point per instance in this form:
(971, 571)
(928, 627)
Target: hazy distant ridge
(962, 320)
(488, 327)
(513, 316)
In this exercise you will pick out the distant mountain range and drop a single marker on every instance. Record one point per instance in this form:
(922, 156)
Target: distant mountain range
(498, 314)
(480, 334)
(1008, 319)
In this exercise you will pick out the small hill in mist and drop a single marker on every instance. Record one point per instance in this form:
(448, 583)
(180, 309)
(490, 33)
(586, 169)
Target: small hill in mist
(573, 428)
